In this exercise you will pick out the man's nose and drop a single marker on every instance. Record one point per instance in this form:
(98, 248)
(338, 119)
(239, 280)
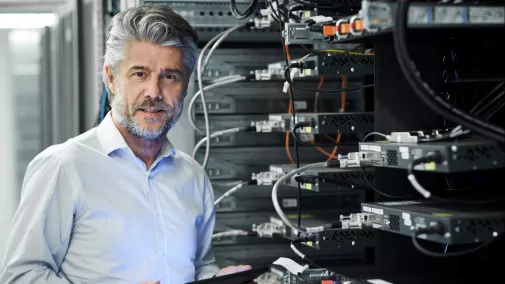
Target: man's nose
(154, 91)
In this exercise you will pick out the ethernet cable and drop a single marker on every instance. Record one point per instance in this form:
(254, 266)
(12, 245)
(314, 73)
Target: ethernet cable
(200, 68)
(214, 135)
(282, 180)
(233, 79)
(299, 253)
(231, 233)
(233, 190)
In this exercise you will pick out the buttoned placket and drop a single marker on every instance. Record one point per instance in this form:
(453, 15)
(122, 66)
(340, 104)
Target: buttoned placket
(159, 227)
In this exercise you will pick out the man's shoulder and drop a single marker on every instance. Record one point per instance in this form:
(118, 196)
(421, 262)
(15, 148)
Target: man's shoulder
(188, 162)
(69, 150)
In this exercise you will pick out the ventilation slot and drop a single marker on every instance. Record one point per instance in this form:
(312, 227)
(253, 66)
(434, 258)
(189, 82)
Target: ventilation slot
(394, 223)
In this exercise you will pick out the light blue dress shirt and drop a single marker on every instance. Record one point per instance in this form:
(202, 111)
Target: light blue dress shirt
(91, 212)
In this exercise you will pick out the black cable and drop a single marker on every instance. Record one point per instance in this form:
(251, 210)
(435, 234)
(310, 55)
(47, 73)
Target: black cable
(377, 190)
(248, 11)
(277, 17)
(428, 95)
(304, 258)
(292, 84)
(492, 103)
(297, 158)
(438, 254)
(311, 5)
(281, 12)
(495, 109)
(486, 98)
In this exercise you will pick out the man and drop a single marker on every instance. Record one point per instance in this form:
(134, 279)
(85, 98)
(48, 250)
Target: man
(118, 204)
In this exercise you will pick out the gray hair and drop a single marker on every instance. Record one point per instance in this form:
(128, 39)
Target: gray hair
(157, 24)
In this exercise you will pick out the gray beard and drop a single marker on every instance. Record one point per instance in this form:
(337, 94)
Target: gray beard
(126, 120)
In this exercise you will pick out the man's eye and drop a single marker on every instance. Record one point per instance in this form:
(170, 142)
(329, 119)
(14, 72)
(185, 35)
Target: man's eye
(139, 74)
(171, 77)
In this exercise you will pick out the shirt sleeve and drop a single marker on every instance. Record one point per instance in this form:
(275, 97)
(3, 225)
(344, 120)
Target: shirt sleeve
(41, 227)
(205, 266)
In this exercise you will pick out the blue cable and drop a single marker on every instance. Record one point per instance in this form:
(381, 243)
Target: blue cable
(453, 56)
(103, 104)
(448, 183)
(446, 246)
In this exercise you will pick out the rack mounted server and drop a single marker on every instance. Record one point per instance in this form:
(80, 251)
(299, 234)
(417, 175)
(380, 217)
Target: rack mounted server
(462, 224)
(457, 156)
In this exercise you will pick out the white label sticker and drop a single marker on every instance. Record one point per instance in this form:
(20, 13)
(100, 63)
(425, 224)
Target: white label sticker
(367, 209)
(376, 226)
(378, 281)
(300, 105)
(364, 147)
(405, 155)
(405, 215)
(276, 169)
(289, 202)
(275, 117)
(377, 211)
(375, 148)
(404, 149)
(407, 222)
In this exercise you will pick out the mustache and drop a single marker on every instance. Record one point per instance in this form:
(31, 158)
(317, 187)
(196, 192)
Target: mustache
(153, 105)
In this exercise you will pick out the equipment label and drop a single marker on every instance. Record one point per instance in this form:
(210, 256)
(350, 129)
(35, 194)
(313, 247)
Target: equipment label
(289, 202)
(377, 211)
(375, 148)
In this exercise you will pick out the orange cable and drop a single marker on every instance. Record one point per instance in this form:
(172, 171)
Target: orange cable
(343, 99)
(290, 109)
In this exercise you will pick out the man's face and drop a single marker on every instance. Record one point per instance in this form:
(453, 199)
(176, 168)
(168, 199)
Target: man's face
(149, 89)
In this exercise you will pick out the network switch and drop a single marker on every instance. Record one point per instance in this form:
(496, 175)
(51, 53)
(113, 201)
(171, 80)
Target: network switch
(462, 224)
(320, 123)
(457, 156)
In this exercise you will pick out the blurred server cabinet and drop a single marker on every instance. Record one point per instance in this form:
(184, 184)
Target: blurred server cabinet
(72, 50)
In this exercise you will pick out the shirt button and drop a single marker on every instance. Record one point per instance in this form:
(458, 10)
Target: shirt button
(157, 213)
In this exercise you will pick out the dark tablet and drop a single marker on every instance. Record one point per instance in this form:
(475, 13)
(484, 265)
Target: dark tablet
(235, 278)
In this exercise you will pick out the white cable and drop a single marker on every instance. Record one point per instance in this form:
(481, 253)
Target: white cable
(415, 184)
(296, 251)
(225, 78)
(230, 233)
(213, 135)
(217, 39)
(191, 105)
(276, 201)
(226, 183)
(229, 192)
(374, 133)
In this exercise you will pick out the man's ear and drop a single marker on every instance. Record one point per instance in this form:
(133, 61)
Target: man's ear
(110, 79)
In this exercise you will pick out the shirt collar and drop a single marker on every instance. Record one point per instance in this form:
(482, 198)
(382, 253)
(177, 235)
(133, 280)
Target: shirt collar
(111, 139)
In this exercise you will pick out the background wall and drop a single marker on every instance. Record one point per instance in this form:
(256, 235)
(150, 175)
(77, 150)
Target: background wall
(8, 193)
(20, 113)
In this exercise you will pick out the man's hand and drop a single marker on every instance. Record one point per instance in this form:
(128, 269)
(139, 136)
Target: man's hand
(151, 282)
(233, 269)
